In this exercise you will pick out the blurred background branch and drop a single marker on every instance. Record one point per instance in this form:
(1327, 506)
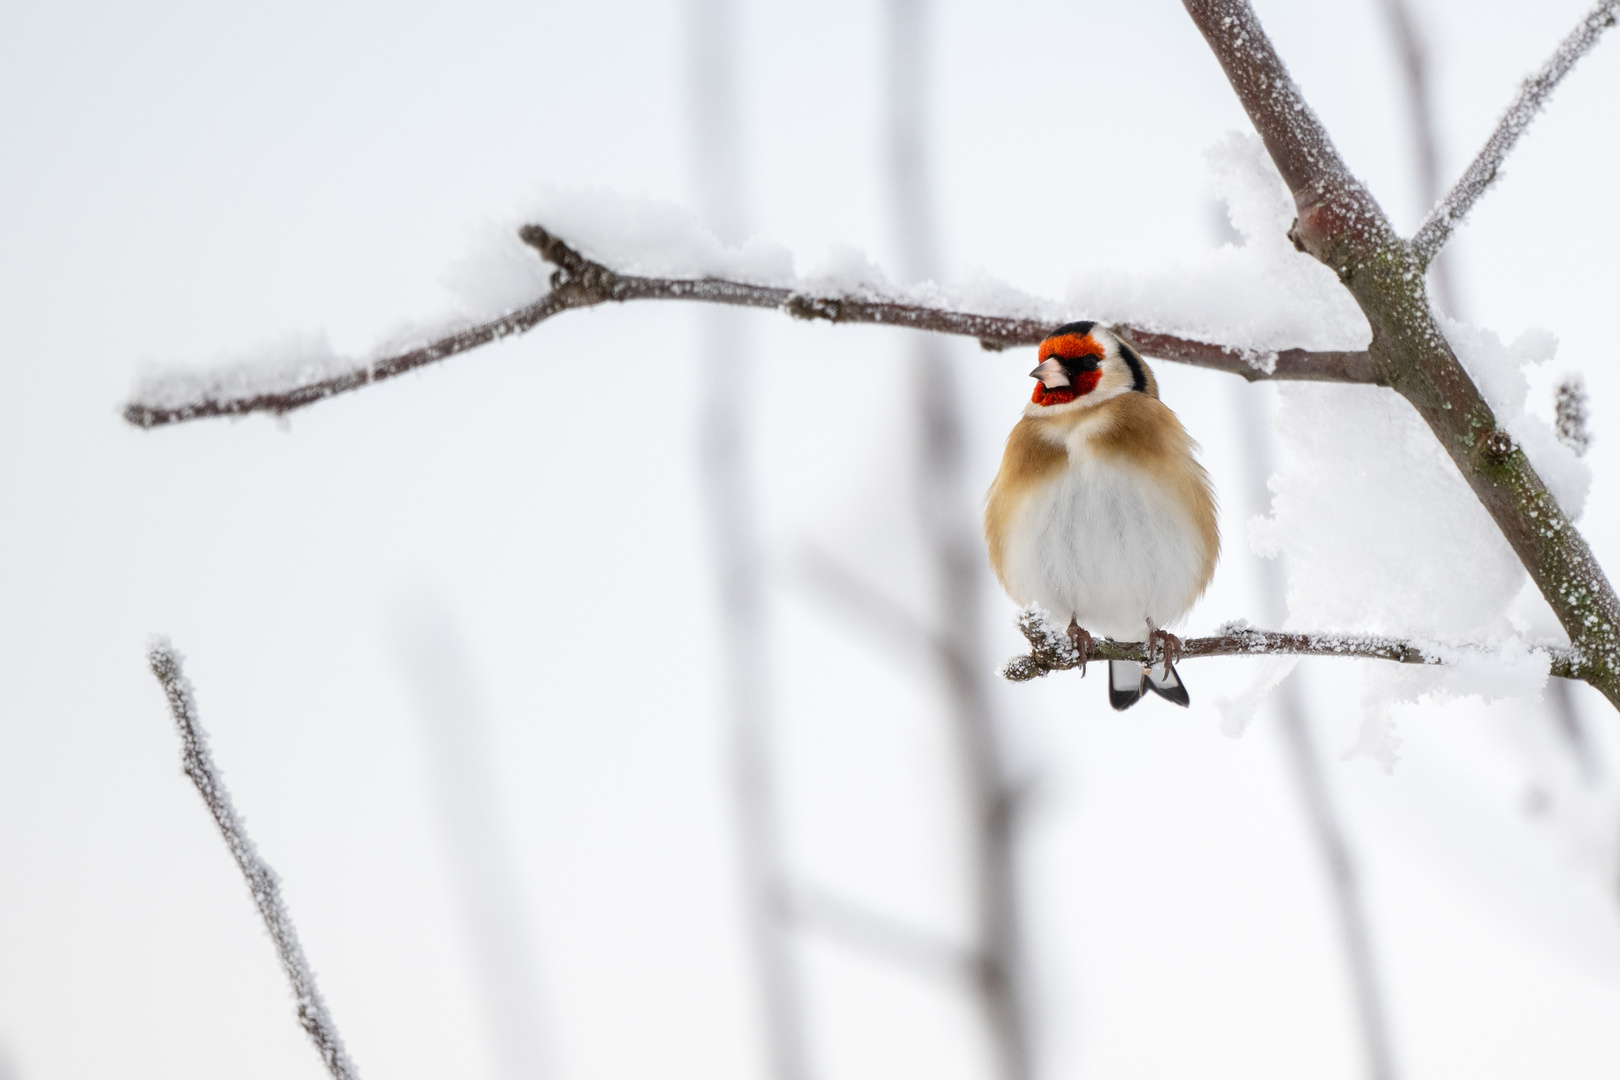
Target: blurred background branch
(1327, 826)
(461, 768)
(726, 466)
(1417, 75)
(946, 509)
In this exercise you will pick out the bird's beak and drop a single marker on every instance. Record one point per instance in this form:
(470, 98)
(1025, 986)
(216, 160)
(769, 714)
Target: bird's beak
(1050, 372)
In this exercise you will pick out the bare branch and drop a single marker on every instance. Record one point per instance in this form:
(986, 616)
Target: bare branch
(581, 283)
(261, 880)
(1051, 650)
(1437, 227)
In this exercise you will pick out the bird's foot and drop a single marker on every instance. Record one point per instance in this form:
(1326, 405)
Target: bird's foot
(1082, 643)
(1165, 644)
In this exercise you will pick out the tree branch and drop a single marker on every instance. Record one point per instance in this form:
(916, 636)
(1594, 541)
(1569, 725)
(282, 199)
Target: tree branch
(261, 880)
(1051, 650)
(1342, 226)
(580, 282)
(1436, 228)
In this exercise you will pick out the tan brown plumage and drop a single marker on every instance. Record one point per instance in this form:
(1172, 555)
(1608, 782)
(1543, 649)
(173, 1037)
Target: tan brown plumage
(1101, 512)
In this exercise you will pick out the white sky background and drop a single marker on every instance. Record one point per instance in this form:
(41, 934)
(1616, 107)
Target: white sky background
(180, 180)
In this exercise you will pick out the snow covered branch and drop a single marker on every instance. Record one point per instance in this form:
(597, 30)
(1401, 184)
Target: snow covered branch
(261, 880)
(580, 282)
(1342, 226)
(1051, 650)
(1436, 228)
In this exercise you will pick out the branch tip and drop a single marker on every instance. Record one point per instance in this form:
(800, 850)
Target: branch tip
(1486, 166)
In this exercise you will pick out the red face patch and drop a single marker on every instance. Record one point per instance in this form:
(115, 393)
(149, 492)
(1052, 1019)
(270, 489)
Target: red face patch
(1069, 347)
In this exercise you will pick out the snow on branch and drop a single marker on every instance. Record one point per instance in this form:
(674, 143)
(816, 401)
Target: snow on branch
(581, 282)
(1436, 228)
(1052, 650)
(261, 880)
(1296, 140)
(1343, 227)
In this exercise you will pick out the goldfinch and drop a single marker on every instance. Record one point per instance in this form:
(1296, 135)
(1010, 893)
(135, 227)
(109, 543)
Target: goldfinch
(1100, 512)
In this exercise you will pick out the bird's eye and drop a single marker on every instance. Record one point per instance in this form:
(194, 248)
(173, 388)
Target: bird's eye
(1084, 363)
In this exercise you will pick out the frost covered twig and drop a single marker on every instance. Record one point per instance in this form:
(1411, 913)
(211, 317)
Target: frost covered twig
(1342, 226)
(1481, 173)
(1051, 650)
(580, 282)
(261, 880)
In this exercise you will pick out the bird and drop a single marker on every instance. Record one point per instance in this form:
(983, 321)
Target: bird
(1100, 512)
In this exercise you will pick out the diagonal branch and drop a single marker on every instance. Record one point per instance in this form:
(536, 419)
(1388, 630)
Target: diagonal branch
(261, 880)
(1051, 650)
(580, 282)
(1436, 228)
(1343, 226)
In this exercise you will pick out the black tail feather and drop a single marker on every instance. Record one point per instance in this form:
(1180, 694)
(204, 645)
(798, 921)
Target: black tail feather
(1126, 683)
(1169, 686)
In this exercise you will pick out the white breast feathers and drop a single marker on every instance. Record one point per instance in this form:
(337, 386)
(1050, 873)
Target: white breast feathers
(1109, 543)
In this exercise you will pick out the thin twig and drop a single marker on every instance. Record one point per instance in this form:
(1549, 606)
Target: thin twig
(580, 282)
(1445, 217)
(261, 880)
(1051, 650)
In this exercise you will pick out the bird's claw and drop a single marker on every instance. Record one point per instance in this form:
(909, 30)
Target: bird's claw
(1165, 644)
(1082, 643)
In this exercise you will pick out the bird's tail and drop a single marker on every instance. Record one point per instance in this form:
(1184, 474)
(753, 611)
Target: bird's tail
(1128, 681)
